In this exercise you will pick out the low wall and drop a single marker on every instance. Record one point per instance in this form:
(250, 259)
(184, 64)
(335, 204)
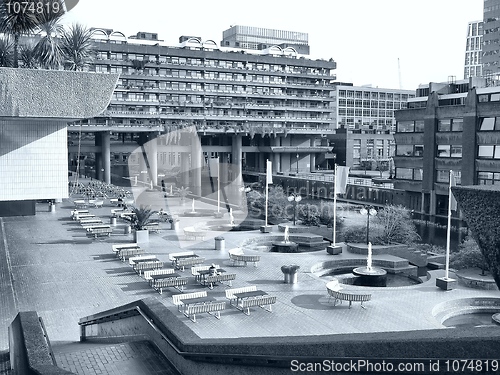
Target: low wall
(403, 251)
(273, 355)
(29, 349)
(476, 282)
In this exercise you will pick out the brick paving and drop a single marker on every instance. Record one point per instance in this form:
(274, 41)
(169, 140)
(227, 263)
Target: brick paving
(47, 264)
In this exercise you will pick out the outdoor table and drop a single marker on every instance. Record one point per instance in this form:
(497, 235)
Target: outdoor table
(243, 295)
(204, 273)
(85, 216)
(164, 276)
(198, 300)
(126, 247)
(147, 258)
(184, 256)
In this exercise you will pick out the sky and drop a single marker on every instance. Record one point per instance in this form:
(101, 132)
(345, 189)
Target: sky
(382, 43)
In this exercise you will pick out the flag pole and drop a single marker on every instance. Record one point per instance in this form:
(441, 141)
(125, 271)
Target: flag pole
(448, 231)
(218, 185)
(334, 205)
(267, 188)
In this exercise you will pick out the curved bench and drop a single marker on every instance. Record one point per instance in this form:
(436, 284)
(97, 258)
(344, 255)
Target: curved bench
(335, 290)
(236, 256)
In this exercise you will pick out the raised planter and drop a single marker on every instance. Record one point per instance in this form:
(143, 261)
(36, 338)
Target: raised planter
(334, 250)
(141, 236)
(290, 273)
(446, 283)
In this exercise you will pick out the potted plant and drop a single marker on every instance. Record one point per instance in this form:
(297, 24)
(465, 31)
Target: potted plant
(183, 192)
(141, 218)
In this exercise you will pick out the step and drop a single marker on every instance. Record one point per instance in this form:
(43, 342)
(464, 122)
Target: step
(126, 358)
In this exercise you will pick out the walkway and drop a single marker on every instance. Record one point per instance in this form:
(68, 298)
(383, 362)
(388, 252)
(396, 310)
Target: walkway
(47, 264)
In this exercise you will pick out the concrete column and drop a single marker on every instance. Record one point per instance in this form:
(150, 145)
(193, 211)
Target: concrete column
(185, 169)
(196, 165)
(236, 159)
(152, 155)
(432, 208)
(143, 168)
(224, 178)
(276, 157)
(312, 158)
(106, 157)
(98, 155)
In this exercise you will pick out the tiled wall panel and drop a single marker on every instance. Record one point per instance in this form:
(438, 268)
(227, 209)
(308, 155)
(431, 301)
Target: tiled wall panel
(33, 160)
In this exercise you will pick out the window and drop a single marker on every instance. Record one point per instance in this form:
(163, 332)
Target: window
(419, 126)
(444, 125)
(489, 123)
(443, 151)
(406, 126)
(419, 150)
(443, 176)
(456, 151)
(457, 124)
(485, 151)
(418, 174)
(404, 173)
(488, 178)
(404, 150)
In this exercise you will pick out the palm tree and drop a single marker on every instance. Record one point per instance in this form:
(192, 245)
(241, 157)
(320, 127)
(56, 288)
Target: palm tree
(142, 217)
(76, 45)
(24, 22)
(28, 56)
(48, 50)
(6, 51)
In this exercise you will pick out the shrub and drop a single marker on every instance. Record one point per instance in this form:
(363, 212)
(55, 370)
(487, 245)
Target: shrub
(142, 217)
(468, 256)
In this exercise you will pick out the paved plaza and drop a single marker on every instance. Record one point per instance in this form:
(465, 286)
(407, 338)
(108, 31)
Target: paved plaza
(47, 264)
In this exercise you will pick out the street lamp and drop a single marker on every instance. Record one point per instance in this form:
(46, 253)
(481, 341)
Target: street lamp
(295, 198)
(368, 211)
(297, 163)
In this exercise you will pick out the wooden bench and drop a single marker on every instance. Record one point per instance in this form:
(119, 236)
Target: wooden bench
(140, 258)
(125, 254)
(80, 203)
(99, 231)
(336, 291)
(116, 248)
(211, 280)
(243, 258)
(231, 292)
(177, 298)
(75, 212)
(192, 234)
(177, 283)
(146, 266)
(212, 308)
(186, 262)
(262, 302)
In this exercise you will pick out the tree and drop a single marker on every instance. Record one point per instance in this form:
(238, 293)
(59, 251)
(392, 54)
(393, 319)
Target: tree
(277, 203)
(396, 225)
(48, 50)
(28, 56)
(382, 166)
(142, 217)
(24, 21)
(6, 51)
(469, 256)
(76, 46)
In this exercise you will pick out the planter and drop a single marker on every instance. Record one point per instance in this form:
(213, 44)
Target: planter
(141, 236)
(265, 229)
(174, 225)
(290, 273)
(334, 250)
(446, 283)
(112, 221)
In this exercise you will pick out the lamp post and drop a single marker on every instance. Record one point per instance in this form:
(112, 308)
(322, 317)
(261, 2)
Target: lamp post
(297, 163)
(295, 198)
(368, 211)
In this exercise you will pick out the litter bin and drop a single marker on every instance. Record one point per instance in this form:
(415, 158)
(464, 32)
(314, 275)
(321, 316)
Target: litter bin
(113, 220)
(128, 229)
(174, 225)
(52, 207)
(220, 243)
(290, 272)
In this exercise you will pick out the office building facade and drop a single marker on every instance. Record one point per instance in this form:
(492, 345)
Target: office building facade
(474, 50)
(491, 38)
(259, 38)
(448, 126)
(367, 114)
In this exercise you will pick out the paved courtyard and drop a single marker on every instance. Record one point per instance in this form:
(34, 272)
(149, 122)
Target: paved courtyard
(48, 264)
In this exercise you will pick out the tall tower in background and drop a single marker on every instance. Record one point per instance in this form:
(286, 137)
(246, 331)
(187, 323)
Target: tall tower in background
(473, 50)
(491, 38)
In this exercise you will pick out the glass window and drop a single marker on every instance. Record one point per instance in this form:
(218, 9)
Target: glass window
(443, 176)
(444, 125)
(406, 126)
(485, 151)
(419, 150)
(404, 173)
(457, 125)
(456, 151)
(417, 174)
(443, 151)
(487, 123)
(419, 126)
(495, 97)
(404, 150)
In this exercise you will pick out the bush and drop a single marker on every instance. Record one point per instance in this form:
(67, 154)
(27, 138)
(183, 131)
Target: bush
(468, 256)
(396, 225)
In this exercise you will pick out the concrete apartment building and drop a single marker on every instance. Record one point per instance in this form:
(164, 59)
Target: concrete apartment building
(246, 106)
(448, 126)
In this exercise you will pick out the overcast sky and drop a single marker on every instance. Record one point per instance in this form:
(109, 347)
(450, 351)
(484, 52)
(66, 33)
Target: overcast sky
(364, 37)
